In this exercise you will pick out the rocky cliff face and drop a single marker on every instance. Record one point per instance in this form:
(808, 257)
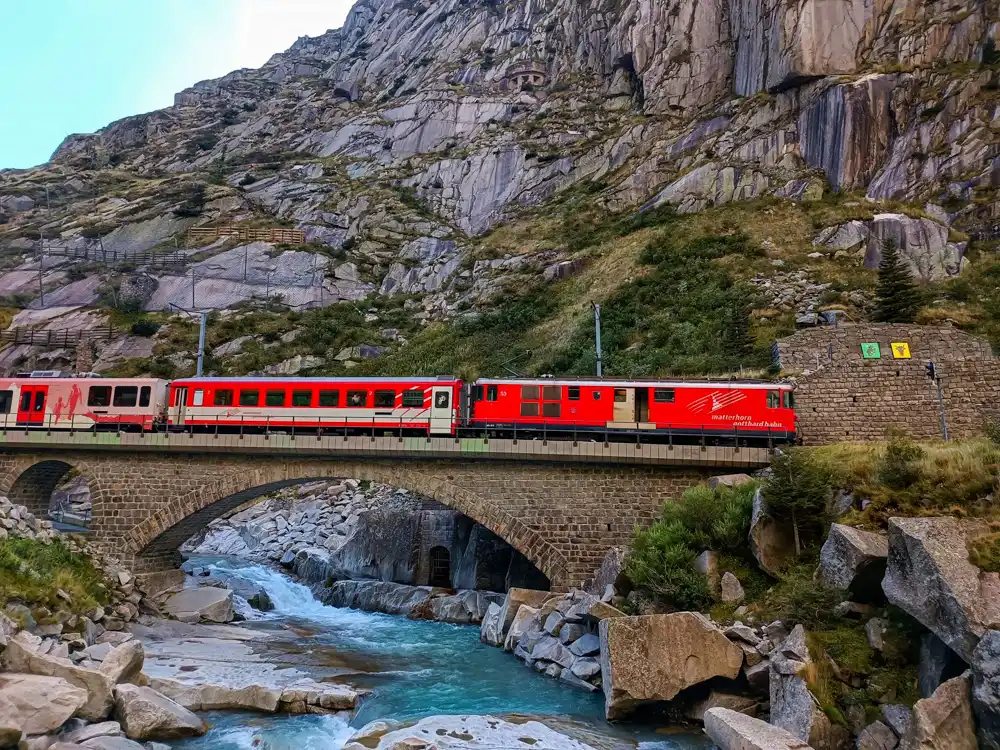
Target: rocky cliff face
(398, 141)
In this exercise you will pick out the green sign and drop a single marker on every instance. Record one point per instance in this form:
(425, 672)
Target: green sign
(871, 351)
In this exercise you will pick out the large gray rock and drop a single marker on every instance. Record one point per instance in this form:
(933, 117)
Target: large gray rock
(877, 736)
(943, 721)
(930, 577)
(854, 560)
(20, 656)
(463, 733)
(986, 689)
(732, 730)
(110, 743)
(209, 697)
(489, 631)
(654, 657)
(793, 707)
(524, 616)
(147, 715)
(771, 541)
(123, 663)
(36, 704)
(202, 604)
(923, 246)
(610, 572)
(936, 664)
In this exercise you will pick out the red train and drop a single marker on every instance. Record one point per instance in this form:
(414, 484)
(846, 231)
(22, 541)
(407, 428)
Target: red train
(750, 411)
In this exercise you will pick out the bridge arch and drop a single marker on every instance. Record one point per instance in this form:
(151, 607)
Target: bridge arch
(32, 481)
(153, 543)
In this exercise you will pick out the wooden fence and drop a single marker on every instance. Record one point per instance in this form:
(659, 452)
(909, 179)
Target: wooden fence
(57, 337)
(275, 234)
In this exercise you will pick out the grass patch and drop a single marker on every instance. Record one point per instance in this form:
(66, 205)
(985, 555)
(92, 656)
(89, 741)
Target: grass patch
(31, 573)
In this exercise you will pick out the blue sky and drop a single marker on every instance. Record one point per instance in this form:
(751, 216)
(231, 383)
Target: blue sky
(73, 66)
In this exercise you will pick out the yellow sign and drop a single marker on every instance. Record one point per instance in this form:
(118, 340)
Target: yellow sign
(900, 351)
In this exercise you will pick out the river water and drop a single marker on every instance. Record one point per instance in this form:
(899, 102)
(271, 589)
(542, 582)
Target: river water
(413, 668)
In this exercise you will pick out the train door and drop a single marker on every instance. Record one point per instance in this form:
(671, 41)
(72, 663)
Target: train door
(180, 406)
(641, 405)
(31, 407)
(441, 410)
(625, 405)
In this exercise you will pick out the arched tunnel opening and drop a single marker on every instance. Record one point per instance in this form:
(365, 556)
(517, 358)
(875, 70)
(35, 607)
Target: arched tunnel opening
(57, 491)
(362, 530)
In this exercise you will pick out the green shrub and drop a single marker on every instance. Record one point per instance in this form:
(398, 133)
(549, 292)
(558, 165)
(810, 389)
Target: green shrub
(799, 599)
(798, 493)
(992, 430)
(144, 327)
(900, 465)
(32, 573)
(984, 552)
(661, 557)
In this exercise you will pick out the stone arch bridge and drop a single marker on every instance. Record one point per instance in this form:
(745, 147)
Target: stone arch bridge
(151, 493)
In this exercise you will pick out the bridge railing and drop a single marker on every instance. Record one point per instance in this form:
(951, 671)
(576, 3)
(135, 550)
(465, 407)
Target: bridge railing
(223, 423)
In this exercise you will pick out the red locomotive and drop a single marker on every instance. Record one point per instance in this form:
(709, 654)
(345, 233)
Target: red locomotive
(748, 411)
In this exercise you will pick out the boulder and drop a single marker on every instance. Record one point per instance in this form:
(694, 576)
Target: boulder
(610, 573)
(732, 591)
(732, 730)
(148, 715)
(943, 721)
(588, 608)
(110, 743)
(793, 707)
(123, 663)
(207, 697)
(877, 736)
(855, 561)
(20, 656)
(36, 704)
(550, 649)
(489, 631)
(90, 731)
(525, 614)
(923, 246)
(986, 689)
(654, 657)
(772, 542)
(203, 604)
(742, 703)
(707, 564)
(586, 645)
(462, 733)
(729, 480)
(937, 664)
(897, 717)
(929, 576)
(513, 601)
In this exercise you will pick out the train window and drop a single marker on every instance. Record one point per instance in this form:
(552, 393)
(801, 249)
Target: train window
(274, 398)
(199, 398)
(100, 395)
(552, 410)
(773, 399)
(222, 397)
(144, 394)
(249, 398)
(39, 400)
(357, 398)
(551, 393)
(789, 400)
(491, 393)
(529, 409)
(6, 401)
(385, 399)
(329, 398)
(663, 395)
(26, 401)
(413, 398)
(573, 393)
(529, 392)
(302, 398)
(126, 395)
(621, 395)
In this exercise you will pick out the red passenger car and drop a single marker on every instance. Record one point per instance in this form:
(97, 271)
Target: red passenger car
(419, 405)
(744, 409)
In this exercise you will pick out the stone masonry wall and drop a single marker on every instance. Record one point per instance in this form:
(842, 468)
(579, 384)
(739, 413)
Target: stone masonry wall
(561, 517)
(864, 400)
(812, 348)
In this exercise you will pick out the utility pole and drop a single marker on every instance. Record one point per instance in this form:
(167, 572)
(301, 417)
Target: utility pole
(201, 343)
(933, 374)
(597, 338)
(193, 305)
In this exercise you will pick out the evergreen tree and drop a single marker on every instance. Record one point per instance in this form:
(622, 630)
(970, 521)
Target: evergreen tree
(897, 298)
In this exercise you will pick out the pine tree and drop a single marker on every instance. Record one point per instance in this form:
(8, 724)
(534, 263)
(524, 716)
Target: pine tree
(897, 298)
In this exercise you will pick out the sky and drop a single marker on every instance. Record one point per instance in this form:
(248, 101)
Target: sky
(73, 66)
